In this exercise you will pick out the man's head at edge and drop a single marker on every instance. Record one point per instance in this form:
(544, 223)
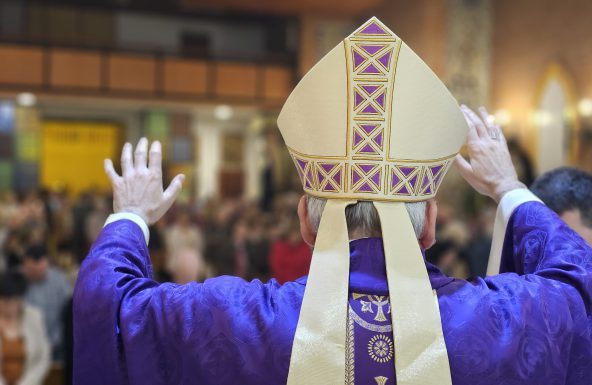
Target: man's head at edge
(568, 192)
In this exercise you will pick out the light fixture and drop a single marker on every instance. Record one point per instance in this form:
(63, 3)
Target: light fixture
(585, 107)
(502, 117)
(26, 99)
(223, 112)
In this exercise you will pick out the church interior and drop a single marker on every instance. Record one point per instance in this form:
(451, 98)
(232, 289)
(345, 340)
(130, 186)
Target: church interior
(79, 78)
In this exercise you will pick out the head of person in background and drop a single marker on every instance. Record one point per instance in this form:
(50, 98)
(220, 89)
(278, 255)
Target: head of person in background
(36, 263)
(13, 287)
(568, 192)
(188, 266)
(444, 254)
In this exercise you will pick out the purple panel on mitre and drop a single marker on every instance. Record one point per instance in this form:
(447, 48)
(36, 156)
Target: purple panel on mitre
(329, 187)
(385, 59)
(376, 178)
(366, 188)
(367, 168)
(369, 109)
(378, 139)
(355, 177)
(357, 58)
(428, 191)
(357, 138)
(380, 100)
(373, 29)
(302, 164)
(426, 181)
(309, 175)
(413, 181)
(403, 190)
(372, 49)
(358, 99)
(337, 177)
(438, 180)
(407, 170)
(368, 128)
(328, 167)
(307, 184)
(395, 180)
(370, 89)
(371, 69)
(367, 149)
(436, 169)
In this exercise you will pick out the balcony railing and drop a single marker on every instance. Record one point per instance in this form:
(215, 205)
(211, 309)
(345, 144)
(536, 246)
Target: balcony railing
(109, 73)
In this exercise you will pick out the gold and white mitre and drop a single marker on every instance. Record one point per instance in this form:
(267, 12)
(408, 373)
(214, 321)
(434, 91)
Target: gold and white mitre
(370, 122)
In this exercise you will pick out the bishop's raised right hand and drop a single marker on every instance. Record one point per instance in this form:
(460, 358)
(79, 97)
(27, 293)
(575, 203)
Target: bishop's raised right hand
(139, 188)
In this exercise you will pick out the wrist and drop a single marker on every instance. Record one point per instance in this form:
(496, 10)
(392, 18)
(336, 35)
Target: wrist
(122, 215)
(505, 187)
(135, 211)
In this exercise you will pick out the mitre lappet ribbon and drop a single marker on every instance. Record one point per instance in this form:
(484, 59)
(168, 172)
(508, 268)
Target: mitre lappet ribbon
(318, 353)
(420, 351)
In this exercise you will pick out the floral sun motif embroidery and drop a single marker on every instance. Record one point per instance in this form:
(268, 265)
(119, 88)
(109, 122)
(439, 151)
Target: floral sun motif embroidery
(380, 348)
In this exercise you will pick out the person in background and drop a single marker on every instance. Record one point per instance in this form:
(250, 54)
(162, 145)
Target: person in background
(49, 290)
(188, 266)
(24, 348)
(568, 192)
(445, 255)
(182, 234)
(96, 218)
(257, 245)
(290, 256)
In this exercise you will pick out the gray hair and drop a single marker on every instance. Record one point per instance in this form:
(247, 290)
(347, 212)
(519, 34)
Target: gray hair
(362, 217)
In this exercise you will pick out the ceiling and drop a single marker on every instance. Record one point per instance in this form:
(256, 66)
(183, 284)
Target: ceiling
(286, 7)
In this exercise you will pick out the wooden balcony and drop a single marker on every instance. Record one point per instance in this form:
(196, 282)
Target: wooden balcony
(110, 74)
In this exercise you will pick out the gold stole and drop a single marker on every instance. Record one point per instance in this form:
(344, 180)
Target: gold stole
(318, 353)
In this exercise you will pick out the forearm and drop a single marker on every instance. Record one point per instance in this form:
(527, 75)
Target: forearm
(123, 243)
(117, 263)
(508, 204)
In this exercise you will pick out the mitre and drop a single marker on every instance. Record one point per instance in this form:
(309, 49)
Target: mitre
(370, 122)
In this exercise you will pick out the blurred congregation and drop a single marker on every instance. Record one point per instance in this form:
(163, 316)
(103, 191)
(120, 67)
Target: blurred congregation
(45, 235)
(207, 79)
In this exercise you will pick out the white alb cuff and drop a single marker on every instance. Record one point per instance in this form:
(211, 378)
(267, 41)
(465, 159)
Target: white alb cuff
(510, 201)
(131, 217)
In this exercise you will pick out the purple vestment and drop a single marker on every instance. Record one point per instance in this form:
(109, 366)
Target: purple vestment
(530, 325)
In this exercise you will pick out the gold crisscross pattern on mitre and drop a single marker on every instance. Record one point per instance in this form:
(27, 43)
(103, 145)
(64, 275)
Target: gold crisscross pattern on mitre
(370, 129)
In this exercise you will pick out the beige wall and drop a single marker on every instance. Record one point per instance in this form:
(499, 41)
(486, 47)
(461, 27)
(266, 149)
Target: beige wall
(422, 25)
(529, 36)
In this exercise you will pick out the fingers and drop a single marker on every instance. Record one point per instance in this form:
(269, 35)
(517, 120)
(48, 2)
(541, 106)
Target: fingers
(170, 194)
(478, 123)
(155, 163)
(141, 155)
(126, 159)
(110, 171)
(472, 134)
(492, 128)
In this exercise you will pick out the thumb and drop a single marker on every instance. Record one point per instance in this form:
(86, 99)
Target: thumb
(463, 166)
(171, 193)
